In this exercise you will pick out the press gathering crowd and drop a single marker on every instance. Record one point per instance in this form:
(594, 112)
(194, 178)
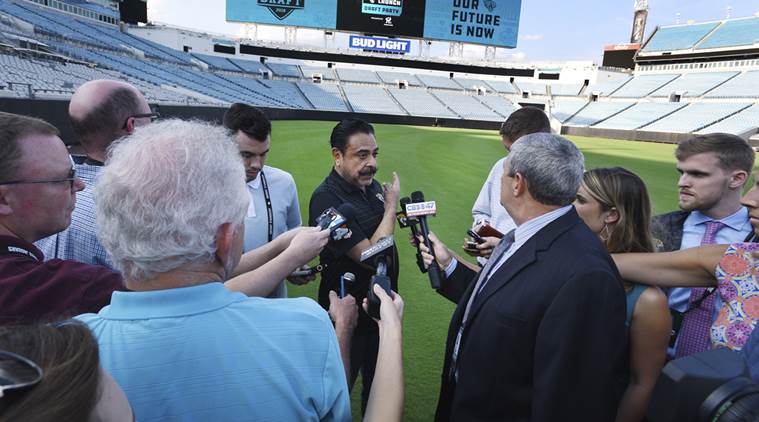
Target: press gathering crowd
(146, 278)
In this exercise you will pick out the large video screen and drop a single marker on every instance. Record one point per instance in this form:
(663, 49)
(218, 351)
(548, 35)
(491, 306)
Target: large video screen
(489, 22)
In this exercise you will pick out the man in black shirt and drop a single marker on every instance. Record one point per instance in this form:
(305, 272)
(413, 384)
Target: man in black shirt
(351, 181)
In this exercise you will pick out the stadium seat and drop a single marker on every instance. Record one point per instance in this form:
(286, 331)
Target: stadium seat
(642, 86)
(435, 81)
(325, 96)
(678, 37)
(565, 108)
(370, 99)
(419, 102)
(358, 75)
(502, 87)
(695, 117)
(217, 62)
(499, 104)
(325, 72)
(744, 121)
(596, 112)
(745, 85)
(694, 84)
(608, 87)
(639, 115)
(250, 66)
(283, 69)
(467, 106)
(733, 33)
(395, 77)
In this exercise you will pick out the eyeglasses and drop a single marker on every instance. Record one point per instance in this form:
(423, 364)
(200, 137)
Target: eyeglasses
(153, 115)
(17, 372)
(71, 179)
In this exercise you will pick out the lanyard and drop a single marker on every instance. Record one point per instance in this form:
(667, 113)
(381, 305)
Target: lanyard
(269, 212)
(19, 251)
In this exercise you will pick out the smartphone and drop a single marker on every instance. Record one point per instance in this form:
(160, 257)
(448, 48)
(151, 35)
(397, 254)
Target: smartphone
(488, 231)
(477, 238)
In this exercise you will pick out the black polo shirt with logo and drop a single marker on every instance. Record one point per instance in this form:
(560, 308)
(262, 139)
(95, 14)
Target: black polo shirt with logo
(369, 206)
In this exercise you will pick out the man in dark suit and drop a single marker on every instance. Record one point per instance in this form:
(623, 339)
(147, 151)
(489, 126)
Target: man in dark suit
(538, 333)
(713, 171)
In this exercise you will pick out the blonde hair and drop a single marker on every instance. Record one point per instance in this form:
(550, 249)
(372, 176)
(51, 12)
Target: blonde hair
(623, 190)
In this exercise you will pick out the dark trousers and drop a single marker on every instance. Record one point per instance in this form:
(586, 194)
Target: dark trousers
(364, 348)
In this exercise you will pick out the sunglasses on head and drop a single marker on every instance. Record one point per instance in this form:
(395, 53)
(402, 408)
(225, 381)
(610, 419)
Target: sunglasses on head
(17, 372)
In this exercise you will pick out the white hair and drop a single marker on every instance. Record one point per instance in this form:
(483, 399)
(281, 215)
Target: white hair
(163, 194)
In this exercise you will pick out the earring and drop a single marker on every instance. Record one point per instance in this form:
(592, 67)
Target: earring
(605, 233)
(337, 163)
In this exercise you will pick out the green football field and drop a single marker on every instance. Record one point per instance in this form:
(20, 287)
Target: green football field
(449, 166)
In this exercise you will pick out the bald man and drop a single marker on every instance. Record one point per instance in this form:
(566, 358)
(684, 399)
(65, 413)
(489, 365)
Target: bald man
(100, 111)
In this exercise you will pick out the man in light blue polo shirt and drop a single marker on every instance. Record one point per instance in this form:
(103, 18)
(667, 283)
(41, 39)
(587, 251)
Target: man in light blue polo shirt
(713, 170)
(273, 207)
(180, 344)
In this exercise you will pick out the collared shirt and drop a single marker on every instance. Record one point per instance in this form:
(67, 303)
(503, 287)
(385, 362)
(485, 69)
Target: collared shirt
(32, 289)
(737, 228)
(204, 353)
(523, 233)
(488, 206)
(369, 207)
(285, 212)
(79, 241)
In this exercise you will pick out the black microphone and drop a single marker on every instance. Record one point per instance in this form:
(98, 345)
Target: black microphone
(434, 268)
(411, 224)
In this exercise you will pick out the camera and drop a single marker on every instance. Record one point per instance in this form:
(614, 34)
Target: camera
(710, 386)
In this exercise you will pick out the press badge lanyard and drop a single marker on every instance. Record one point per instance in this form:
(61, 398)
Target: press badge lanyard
(18, 251)
(269, 212)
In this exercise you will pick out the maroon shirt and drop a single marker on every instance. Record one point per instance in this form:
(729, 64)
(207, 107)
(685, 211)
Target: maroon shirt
(31, 289)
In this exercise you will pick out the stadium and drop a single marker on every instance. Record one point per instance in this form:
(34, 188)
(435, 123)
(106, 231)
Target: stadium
(437, 118)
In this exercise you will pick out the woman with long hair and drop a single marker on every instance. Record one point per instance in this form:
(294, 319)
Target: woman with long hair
(614, 203)
(51, 372)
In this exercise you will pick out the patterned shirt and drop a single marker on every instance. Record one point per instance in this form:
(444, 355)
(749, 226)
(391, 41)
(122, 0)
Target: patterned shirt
(739, 290)
(79, 241)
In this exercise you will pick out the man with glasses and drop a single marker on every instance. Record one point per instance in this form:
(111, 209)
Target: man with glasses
(38, 187)
(38, 191)
(101, 111)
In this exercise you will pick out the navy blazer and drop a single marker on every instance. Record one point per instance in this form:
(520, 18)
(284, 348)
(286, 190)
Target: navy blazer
(546, 337)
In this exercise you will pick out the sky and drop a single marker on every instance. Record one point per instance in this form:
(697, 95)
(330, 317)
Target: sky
(550, 30)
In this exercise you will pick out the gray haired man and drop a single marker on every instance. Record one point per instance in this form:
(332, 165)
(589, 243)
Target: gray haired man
(181, 344)
(539, 332)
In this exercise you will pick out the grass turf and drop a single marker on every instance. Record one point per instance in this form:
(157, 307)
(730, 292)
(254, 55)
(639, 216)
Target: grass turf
(449, 166)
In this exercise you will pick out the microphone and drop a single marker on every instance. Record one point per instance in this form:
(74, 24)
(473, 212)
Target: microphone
(404, 221)
(421, 209)
(381, 245)
(346, 278)
(381, 278)
(336, 220)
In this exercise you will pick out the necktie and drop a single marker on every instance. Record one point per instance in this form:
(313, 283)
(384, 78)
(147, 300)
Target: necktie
(503, 246)
(695, 334)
